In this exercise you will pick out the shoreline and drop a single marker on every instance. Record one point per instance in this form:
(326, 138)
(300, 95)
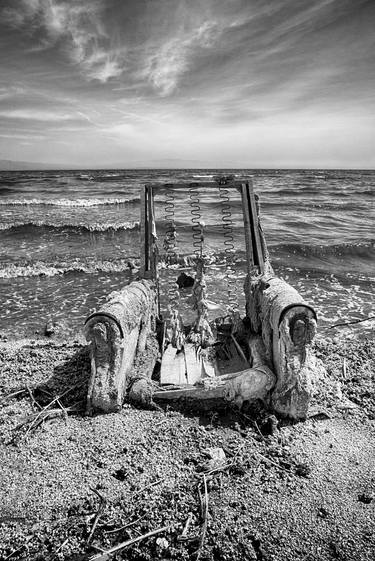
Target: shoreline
(302, 491)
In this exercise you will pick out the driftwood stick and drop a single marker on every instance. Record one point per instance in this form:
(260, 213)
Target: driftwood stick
(34, 422)
(183, 537)
(344, 369)
(240, 351)
(14, 394)
(33, 400)
(98, 514)
(352, 322)
(61, 546)
(45, 392)
(146, 487)
(272, 462)
(125, 526)
(219, 469)
(105, 556)
(19, 549)
(65, 413)
(205, 517)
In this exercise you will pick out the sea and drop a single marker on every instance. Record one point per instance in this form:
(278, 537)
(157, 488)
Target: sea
(70, 238)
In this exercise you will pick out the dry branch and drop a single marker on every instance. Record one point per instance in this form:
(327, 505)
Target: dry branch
(204, 516)
(352, 322)
(98, 514)
(106, 555)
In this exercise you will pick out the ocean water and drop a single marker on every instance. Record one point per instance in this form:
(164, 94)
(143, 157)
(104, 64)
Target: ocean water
(66, 238)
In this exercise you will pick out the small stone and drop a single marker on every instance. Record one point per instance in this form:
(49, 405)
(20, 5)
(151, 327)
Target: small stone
(162, 543)
(217, 459)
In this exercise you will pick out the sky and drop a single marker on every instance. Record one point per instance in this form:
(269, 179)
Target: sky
(213, 83)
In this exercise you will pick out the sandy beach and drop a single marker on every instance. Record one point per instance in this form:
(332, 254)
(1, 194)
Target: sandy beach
(288, 492)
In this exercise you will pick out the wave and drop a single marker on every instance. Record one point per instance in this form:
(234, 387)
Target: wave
(69, 202)
(40, 269)
(361, 250)
(26, 227)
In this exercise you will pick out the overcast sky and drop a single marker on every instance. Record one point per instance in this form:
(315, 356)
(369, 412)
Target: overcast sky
(242, 83)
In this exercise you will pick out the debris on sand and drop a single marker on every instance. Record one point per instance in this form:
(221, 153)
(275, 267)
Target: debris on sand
(171, 484)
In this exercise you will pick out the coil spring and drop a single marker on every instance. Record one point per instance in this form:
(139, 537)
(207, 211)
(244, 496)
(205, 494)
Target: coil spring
(197, 227)
(170, 247)
(227, 226)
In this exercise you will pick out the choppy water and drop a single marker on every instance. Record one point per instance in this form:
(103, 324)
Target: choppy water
(66, 239)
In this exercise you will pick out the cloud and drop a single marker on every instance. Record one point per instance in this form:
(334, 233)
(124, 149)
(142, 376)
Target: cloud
(35, 115)
(31, 136)
(102, 65)
(78, 24)
(172, 58)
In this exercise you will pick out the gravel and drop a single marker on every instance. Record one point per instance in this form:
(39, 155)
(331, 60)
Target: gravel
(296, 492)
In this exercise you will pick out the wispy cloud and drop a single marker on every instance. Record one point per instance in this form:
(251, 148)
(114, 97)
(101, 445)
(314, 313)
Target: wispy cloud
(170, 78)
(170, 60)
(79, 25)
(33, 115)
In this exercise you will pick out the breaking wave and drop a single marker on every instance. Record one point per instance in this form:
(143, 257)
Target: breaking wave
(124, 264)
(40, 269)
(23, 228)
(69, 202)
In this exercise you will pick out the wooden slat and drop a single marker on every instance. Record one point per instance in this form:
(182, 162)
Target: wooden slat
(200, 185)
(194, 392)
(247, 225)
(193, 364)
(173, 367)
(208, 369)
(143, 235)
(257, 249)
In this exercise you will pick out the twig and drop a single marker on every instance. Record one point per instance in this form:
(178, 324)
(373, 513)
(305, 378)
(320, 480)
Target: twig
(259, 431)
(20, 548)
(272, 462)
(200, 499)
(352, 322)
(219, 469)
(319, 413)
(62, 545)
(50, 414)
(240, 351)
(147, 487)
(44, 391)
(34, 422)
(62, 409)
(107, 554)
(98, 514)
(205, 518)
(53, 555)
(45, 415)
(33, 400)
(344, 371)
(126, 526)
(183, 537)
(14, 394)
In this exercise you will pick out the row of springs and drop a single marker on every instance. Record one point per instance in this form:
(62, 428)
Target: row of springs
(170, 248)
(227, 225)
(197, 225)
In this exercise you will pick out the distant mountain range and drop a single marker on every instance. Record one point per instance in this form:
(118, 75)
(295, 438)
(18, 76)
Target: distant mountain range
(13, 165)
